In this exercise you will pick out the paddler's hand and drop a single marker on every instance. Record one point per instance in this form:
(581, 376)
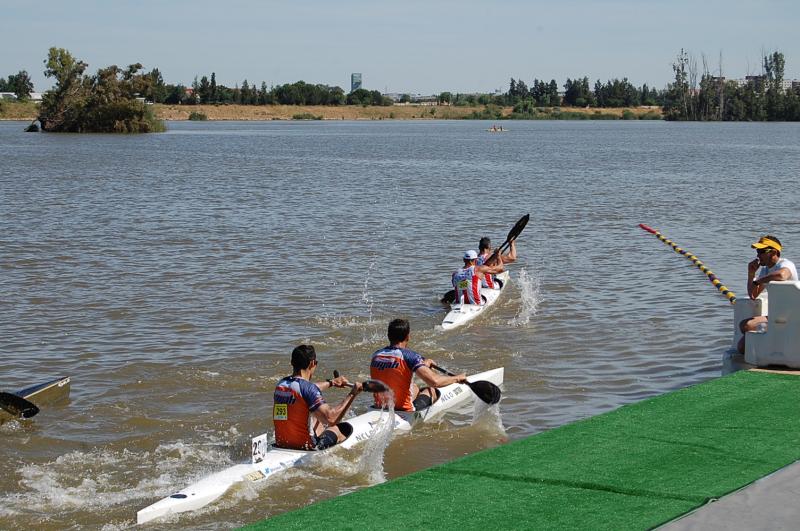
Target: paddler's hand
(429, 363)
(357, 388)
(753, 266)
(339, 381)
(461, 378)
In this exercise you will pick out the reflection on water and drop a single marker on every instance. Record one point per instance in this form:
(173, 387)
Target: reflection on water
(171, 275)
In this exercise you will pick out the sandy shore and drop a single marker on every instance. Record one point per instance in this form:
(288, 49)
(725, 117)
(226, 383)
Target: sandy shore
(28, 111)
(351, 112)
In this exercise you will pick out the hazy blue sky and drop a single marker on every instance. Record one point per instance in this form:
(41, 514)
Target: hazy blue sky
(412, 46)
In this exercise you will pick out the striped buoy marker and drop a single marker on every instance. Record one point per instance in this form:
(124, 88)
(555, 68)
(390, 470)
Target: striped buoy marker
(696, 261)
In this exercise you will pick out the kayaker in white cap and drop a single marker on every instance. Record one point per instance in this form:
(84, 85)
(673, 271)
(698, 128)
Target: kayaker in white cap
(467, 281)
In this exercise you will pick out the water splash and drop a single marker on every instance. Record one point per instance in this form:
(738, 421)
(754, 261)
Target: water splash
(487, 418)
(365, 295)
(530, 292)
(365, 461)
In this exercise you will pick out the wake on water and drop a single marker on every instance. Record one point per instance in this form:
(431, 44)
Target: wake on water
(530, 295)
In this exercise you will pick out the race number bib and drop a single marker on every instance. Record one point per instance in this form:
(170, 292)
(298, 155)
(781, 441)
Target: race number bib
(259, 446)
(280, 412)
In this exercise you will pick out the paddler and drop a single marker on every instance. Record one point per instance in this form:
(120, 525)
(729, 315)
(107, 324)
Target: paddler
(396, 365)
(485, 253)
(297, 398)
(766, 267)
(468, 280)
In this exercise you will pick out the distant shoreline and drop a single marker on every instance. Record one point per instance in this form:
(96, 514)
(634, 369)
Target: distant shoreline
(28, 111)
(357, 112)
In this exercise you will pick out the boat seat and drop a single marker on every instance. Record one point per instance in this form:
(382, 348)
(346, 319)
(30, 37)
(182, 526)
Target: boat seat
(780, 343)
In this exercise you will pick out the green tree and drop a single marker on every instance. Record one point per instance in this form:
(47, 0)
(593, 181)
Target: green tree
(104, 102)
(204, 90)
(21, 85)
(445, 97)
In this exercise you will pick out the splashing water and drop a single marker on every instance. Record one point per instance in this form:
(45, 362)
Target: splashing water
(529, 287)
(365, 296)
(364, 460)
(487, 418)
(371, 462)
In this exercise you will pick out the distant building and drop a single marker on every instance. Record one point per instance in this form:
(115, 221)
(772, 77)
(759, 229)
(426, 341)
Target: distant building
(33, 96)
(355, 81)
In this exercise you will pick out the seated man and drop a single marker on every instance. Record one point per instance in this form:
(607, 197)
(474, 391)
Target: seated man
(772, 267)
(485, 253)
(296, 398)
(396, 365)
(468, 280)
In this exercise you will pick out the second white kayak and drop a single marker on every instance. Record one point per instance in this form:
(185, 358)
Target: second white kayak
(461, 313)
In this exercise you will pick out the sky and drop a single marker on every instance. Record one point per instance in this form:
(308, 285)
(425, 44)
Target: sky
(415, 46)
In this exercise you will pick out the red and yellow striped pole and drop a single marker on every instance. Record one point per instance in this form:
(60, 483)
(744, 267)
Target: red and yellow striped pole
(696, 261)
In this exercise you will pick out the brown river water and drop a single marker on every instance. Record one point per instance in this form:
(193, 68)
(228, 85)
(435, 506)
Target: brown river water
(170, 276)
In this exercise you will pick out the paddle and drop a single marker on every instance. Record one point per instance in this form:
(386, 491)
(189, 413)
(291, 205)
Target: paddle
(17, 406)
(369, 386)
(515, 231)
(486, 391)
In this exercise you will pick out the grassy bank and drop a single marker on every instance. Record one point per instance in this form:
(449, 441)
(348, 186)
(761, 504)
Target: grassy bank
(395, 112)
(15, 110)
(11, 110)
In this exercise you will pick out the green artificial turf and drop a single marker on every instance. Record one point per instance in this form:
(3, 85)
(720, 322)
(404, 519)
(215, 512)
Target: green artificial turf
(634, 468)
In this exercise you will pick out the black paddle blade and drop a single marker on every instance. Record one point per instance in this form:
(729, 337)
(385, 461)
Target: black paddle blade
(374, 386)
(18, 406)
(518, 227)
(486, 391)
(449, 297)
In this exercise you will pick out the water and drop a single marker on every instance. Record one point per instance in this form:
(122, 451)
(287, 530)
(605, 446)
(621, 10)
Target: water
(171, 275)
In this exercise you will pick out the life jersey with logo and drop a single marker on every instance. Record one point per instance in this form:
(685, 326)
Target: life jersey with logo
(395, 367)
(488, 280)
(468, 284)
(294, 398)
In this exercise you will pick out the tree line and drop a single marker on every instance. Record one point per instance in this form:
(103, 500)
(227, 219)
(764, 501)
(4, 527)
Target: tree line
(113, 99)
(206, 90)
(20, 84)
(712, 97)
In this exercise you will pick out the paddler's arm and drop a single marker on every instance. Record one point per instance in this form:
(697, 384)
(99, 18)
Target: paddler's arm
(434, 379)
(487, 269)
(511, 255)
(330, 415)
(781, 274)
(339, 381)
(753, 289)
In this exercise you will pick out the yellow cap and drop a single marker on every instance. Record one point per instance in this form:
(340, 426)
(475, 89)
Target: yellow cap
(765, 242)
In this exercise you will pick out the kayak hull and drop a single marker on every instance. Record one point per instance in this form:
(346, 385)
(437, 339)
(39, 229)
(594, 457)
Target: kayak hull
(275, 460)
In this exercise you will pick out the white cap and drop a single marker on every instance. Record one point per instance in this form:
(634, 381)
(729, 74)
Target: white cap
(470, 255)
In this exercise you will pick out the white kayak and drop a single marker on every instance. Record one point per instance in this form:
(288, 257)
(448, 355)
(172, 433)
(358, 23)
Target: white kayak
(267, 461)
(461, 313)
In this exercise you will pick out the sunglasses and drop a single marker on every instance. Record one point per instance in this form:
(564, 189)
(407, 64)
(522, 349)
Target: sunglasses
(764, 250)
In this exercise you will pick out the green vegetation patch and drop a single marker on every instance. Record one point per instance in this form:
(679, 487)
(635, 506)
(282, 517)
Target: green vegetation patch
(198, 116)
(106, 102)
(305, 116)
(634, 468)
